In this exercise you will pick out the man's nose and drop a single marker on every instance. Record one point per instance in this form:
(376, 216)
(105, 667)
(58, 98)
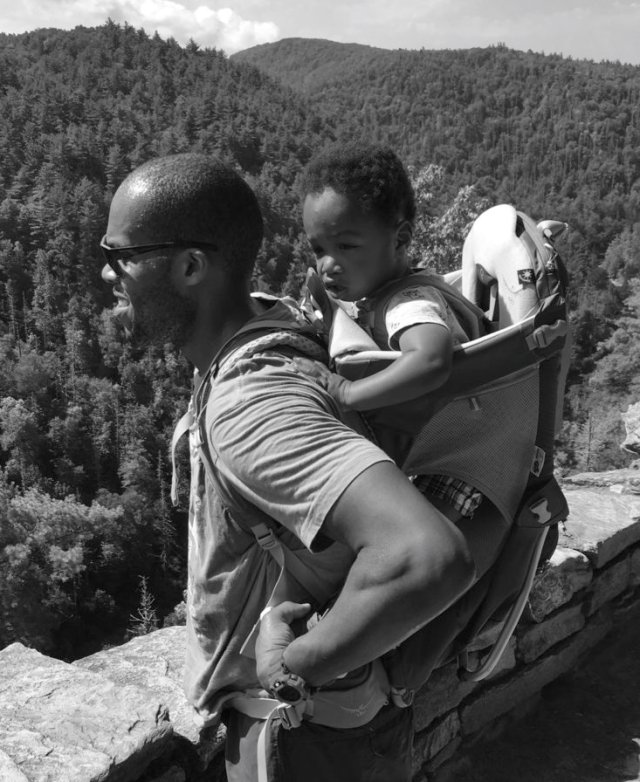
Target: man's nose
(108, 274)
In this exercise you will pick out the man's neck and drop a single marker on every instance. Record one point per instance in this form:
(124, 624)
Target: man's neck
(211, 334)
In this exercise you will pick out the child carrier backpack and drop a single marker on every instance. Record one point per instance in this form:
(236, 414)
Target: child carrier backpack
(508, 385)
(516, 362)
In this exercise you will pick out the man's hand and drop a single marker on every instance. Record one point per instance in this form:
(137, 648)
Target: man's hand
(337, 386)
(275, 635)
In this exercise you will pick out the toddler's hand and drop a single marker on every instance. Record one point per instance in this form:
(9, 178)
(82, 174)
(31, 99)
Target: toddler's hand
(337, 386)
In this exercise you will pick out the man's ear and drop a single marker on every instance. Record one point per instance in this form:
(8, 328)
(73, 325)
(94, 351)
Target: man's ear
(193, 267)
(404, 234)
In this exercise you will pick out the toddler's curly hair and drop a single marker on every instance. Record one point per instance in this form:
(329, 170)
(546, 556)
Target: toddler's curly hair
(371, 175)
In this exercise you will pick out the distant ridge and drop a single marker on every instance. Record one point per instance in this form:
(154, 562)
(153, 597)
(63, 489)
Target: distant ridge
(305, 63)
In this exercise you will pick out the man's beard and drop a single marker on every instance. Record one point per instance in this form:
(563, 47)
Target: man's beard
(164, 317)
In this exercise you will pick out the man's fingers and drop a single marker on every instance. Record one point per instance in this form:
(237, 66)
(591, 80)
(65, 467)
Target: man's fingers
(289, 611)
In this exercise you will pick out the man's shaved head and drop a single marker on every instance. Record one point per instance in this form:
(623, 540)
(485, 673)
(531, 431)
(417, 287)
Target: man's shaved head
(193, 198)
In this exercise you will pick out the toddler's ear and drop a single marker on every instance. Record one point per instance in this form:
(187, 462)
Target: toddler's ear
(404, 234)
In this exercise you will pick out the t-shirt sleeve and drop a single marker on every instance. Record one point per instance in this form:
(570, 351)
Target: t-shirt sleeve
(275, 438)
(417, 304)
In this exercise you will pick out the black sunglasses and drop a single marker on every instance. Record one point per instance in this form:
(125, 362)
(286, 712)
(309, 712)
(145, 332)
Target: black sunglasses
(114, 255)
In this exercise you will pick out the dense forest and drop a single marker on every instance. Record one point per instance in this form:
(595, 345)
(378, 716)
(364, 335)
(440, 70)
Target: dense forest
(90, 548)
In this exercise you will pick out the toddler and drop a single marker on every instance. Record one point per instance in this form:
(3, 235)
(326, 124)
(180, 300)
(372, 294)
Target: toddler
(358, 214)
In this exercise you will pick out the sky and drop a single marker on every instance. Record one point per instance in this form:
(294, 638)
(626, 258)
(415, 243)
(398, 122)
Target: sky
(592, 29)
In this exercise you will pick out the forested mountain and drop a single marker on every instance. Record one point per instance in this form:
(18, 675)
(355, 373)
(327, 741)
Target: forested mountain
(87, 533)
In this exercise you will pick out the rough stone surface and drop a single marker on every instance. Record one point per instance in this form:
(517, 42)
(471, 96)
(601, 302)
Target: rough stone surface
(429, 743)
(625, 481)
(601, 524)
(565, 574)
(156, 661)
(446, 688)
(634, 578)
(535, 640)
(497, 727)
(434, 767)
(486, 706)
(9, 772)
(59, 722)
(441, 694)
(506, 662)
(585, 728)
(609, 584)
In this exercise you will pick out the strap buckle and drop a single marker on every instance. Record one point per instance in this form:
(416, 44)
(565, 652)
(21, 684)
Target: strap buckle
(289, 716)
(541, 337)
(540, 510)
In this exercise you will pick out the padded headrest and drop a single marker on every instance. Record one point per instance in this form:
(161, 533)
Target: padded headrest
(498, 264)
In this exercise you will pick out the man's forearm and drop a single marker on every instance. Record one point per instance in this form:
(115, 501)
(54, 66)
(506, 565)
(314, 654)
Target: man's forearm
(381, 604)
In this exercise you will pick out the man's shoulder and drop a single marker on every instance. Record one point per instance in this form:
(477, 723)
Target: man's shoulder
(280, 326)
(280, 309)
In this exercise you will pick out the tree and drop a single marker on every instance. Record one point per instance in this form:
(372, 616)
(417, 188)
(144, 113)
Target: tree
(438, 239)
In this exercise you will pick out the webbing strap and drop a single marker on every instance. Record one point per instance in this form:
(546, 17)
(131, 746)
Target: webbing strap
(287, 559)
(268, 709)
(182, 427)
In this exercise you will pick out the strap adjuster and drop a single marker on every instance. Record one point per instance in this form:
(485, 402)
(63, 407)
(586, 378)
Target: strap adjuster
(265, 536)
(541, 337)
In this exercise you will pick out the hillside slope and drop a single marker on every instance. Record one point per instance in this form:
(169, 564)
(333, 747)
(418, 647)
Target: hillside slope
(546, 132)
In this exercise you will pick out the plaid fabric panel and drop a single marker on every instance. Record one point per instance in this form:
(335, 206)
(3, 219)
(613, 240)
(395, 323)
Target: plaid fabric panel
(460, 495)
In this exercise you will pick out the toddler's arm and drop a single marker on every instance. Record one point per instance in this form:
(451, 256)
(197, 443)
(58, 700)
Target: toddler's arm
(424, 365)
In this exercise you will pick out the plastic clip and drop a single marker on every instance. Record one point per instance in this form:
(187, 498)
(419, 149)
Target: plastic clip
(540, 510)
(289, 716)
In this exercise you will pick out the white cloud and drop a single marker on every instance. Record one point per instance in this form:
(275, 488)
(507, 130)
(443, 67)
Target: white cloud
(223, 29)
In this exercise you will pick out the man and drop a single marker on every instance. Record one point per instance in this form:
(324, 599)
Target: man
(181, 240)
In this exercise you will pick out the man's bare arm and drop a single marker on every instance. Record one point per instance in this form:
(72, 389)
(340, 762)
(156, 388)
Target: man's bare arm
(410, 565)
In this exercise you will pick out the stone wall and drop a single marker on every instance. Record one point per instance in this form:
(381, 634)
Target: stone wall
(592, 579)
(120, 716)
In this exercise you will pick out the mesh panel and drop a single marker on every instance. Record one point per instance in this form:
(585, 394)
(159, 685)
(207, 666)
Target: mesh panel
(486, 439)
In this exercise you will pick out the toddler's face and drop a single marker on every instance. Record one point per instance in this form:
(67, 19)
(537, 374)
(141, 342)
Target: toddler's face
(355, 252)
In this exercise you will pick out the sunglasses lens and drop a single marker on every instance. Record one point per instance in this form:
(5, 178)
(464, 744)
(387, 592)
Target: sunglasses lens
(111, 257)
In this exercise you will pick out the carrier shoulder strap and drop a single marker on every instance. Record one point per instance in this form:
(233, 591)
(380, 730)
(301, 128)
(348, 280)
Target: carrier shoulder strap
(551, 276)
(193, 421)
(247, 336)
